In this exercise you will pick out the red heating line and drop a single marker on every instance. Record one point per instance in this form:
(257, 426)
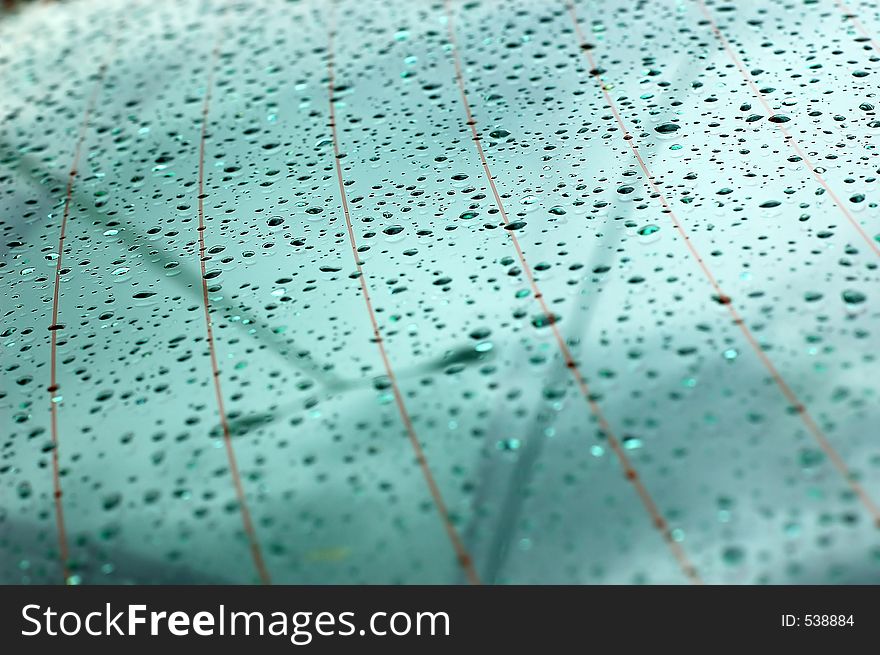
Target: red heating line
(464, 558)
(250, 532)
(789, 139)
(629, 470)
(792, 398)
(54, 327)
(858, 24)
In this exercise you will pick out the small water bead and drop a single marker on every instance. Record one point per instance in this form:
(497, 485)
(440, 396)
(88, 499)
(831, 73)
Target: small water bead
(667, 128)
(733, 555)
(509, 445)
(853, 297)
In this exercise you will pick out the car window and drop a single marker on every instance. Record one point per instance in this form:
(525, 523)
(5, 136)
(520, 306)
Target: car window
(439, 292)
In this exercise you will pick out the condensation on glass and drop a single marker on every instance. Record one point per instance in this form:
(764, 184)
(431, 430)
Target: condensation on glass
(621, 261)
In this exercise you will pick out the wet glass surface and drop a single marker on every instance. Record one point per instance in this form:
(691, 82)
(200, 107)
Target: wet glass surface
(647, 355)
